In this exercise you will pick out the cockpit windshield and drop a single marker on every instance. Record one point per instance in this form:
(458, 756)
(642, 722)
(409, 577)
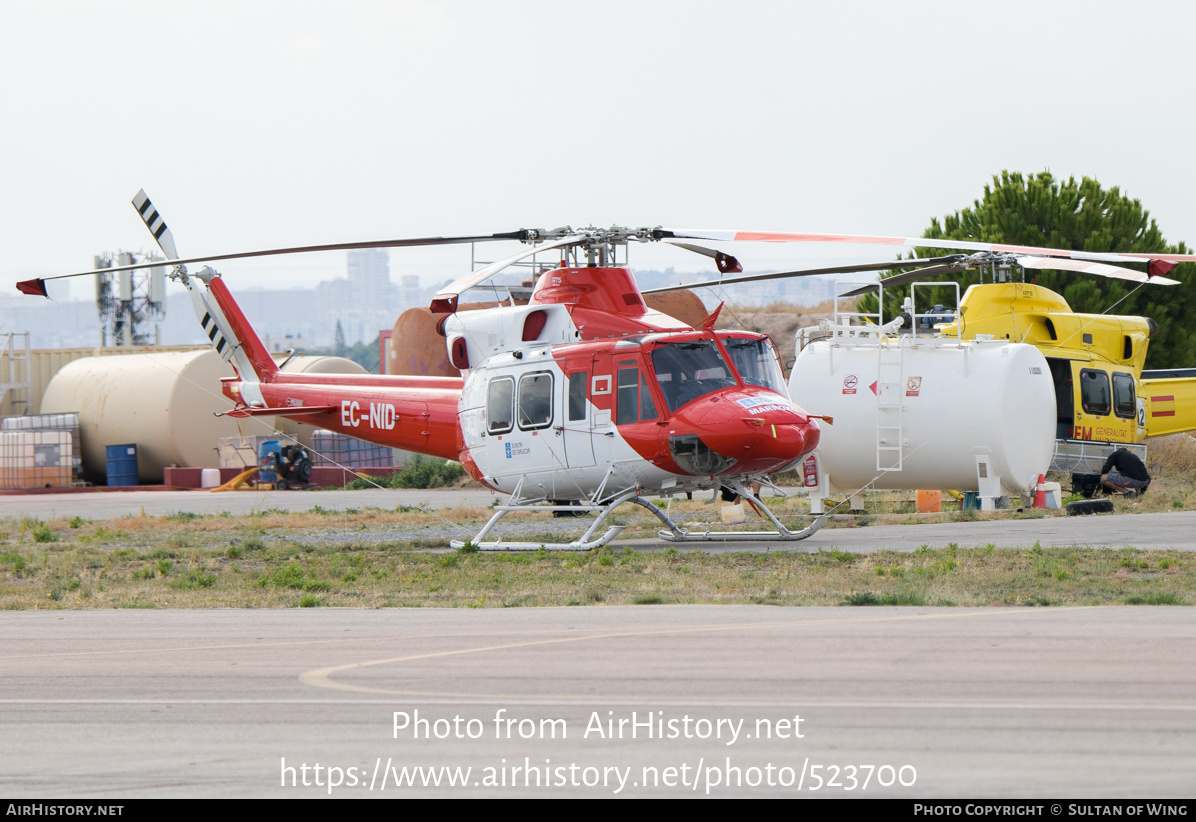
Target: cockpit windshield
(688, 370)
(756, 362)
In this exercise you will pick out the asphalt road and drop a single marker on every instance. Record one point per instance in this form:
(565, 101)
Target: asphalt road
(821, 702)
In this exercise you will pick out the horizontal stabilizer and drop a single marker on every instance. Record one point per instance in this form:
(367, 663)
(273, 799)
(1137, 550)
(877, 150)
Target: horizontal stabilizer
(285, 411)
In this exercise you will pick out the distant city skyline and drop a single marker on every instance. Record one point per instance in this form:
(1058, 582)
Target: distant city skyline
(365, 301)
(272, 124)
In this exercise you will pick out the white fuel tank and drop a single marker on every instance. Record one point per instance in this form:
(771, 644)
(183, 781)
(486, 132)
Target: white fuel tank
(929, 413)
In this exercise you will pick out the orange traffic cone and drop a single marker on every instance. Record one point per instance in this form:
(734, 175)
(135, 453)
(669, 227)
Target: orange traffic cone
(1040, 494)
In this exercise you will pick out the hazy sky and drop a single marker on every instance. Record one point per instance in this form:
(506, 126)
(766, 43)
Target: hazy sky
(258, 124)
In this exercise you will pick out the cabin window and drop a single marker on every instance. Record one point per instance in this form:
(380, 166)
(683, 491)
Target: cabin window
(500, 405)
(1094, 392)
(688, 370)
(577, 396)
(1124, 402)
(535, 401)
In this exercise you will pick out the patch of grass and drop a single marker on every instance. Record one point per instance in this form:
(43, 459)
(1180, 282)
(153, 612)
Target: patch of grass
(295, 577)
(288, 576)
(310, 601)
(1131, 558)
(192, 580)
(869, 598)
(15, 562)
(1173, 456)
(1029, 513)
(1160, 598)
(648, 599)
(42, 533)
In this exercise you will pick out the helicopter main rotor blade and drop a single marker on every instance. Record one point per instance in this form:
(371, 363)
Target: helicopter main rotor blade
(1100, 269)
(809, 272)
(921, 242)
(33, 287)
(725, 262)
(911, 277)
(482, 274)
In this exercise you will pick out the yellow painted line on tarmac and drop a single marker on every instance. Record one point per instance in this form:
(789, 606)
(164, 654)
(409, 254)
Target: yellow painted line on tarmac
(323, 677)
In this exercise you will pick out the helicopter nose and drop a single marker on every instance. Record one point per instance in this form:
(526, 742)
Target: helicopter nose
(763, 446)
(770, 440)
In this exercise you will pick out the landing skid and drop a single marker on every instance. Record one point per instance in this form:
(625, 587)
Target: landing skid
(587, 541)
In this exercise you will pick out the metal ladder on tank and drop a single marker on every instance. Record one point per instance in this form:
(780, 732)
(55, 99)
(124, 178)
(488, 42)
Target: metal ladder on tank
(17, 384)
(890, 382)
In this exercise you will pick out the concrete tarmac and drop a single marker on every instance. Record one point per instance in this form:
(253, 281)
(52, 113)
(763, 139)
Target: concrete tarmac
(649, 701)
(1175, 530)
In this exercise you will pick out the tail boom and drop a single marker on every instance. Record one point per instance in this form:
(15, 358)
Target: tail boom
(417, 414)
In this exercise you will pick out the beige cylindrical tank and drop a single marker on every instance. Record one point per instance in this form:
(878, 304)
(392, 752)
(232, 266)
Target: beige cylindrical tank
(683, 305)
(164, 402)
(415, 347)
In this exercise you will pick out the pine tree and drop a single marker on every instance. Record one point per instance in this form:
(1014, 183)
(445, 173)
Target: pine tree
(1038, 210)
(338, 341)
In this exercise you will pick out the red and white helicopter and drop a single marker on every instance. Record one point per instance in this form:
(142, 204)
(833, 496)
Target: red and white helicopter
(579, 401)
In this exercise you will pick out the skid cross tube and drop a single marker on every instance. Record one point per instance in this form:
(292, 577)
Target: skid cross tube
(782, 533)
(584, 543)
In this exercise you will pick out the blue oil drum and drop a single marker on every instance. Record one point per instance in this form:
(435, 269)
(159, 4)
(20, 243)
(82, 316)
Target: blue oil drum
(122, 464)
(268, 450)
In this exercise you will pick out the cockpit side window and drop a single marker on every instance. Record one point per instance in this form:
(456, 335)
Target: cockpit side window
(647, 406)
(686, 371)
(634, 402)
(1124, 403)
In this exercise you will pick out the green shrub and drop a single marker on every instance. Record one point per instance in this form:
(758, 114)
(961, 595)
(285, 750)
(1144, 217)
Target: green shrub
(419, 472)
